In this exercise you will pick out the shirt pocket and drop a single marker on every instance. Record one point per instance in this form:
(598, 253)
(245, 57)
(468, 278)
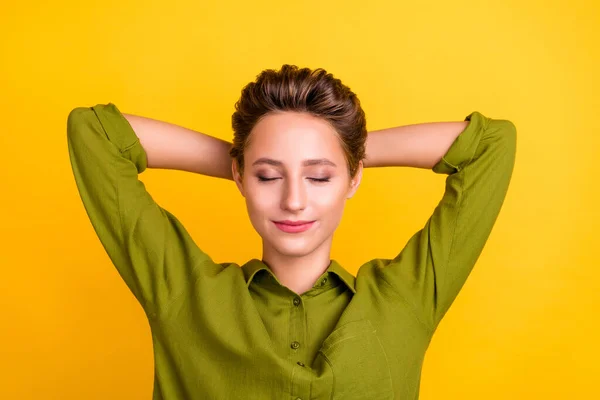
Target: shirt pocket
(353, 360)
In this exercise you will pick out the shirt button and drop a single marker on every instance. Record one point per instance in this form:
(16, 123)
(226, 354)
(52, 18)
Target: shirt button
(296, 301)
(324, 281)
(295, 345)
(298, 398)
(300, 363)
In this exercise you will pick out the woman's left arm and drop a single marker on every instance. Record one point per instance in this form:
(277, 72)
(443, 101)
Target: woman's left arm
(478, 155)
(419, 145)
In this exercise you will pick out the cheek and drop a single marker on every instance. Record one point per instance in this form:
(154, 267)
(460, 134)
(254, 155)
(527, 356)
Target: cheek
(329, 207)
(261, 201)
(328, 199)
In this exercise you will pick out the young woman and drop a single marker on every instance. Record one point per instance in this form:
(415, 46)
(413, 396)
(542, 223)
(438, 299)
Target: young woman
(295, 324)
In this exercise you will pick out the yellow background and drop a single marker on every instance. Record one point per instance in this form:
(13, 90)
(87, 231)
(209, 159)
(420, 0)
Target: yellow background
(525, 325)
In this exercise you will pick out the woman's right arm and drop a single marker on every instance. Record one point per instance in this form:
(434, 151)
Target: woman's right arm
(171, 146)
(151, 249)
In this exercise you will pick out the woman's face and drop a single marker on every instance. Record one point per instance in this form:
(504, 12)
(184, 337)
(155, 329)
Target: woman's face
(308, 180)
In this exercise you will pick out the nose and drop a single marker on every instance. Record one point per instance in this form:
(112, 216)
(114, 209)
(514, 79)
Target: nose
(294, 195)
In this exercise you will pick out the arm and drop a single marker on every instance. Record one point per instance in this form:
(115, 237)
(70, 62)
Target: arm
(170, 146)
(419, 145)
(478, 157)
(150, 248)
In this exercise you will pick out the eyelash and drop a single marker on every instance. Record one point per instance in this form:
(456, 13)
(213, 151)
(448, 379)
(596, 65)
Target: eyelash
(263, 179)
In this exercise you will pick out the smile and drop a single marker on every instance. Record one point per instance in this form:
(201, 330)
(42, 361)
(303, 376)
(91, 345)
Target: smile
(294, 228)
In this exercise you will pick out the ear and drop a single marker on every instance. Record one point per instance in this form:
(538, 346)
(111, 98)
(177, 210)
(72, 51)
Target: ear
(355, 182)
(237, 178)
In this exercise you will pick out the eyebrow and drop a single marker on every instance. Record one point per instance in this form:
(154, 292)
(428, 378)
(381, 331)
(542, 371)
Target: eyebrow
(305, 163)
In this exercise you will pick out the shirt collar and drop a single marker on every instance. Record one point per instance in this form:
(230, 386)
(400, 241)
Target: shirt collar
(253, 266)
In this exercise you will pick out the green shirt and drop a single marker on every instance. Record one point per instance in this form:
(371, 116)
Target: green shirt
(224, 332)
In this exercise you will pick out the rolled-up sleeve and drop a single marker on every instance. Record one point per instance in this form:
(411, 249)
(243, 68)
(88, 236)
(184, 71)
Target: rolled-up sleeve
(150, 248)
(436, 261)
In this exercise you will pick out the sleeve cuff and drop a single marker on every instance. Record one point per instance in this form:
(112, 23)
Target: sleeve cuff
(463, 149)
(121, 134)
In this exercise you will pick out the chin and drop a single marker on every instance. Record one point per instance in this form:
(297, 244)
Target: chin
(291, 248)
(293, 251)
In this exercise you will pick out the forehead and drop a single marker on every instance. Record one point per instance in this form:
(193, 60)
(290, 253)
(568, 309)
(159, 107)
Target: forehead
(292, 137)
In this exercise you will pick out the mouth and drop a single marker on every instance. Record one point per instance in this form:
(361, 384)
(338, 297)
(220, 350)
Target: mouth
(294, 227)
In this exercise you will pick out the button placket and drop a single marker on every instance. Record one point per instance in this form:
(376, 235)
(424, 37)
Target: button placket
(297, 329)
(295, 345)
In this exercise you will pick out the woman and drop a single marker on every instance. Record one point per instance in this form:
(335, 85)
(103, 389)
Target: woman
(294, 324)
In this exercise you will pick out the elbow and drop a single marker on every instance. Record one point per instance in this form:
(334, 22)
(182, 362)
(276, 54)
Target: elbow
(76, 120)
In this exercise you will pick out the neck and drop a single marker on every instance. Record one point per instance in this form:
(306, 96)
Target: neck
(298, 273)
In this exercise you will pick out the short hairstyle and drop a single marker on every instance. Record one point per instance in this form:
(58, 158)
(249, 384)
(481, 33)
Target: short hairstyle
(301, 90)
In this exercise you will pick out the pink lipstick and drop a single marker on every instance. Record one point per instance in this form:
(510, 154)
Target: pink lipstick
(293, 226)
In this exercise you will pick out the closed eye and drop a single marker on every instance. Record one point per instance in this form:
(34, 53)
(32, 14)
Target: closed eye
(263, 179)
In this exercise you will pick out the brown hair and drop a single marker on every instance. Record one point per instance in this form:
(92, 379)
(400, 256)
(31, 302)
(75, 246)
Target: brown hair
(301, 90)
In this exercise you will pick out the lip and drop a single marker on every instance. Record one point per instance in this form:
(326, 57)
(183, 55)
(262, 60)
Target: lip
(294, 226)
